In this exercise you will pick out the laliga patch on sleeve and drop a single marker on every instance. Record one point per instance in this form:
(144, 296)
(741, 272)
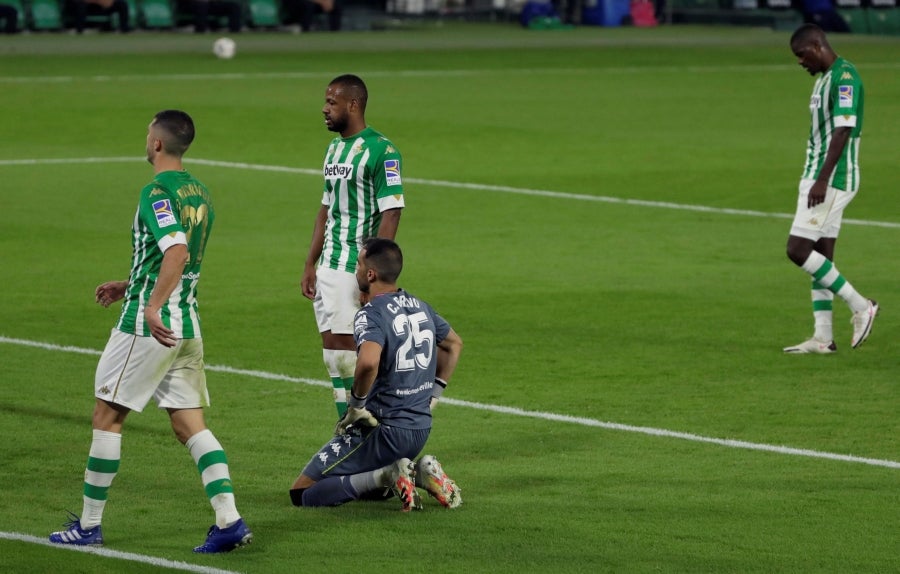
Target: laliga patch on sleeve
(163, 211)
(845, 96)
(392, 171)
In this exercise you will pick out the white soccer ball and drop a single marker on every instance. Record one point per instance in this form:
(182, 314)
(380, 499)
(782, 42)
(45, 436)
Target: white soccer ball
(224, 48)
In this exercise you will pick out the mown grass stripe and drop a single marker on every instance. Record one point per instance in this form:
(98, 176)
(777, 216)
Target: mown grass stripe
(464, 185)
(730, 443)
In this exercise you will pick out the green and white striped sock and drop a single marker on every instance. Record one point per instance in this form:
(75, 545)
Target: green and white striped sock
(822, 300)
(102, 466)
(341, 366)
(828, 276)
(213, 467)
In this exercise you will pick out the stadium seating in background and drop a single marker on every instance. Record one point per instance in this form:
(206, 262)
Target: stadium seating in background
(263, 14)
(184, 15)
(111, 21)
(132, 13)
(776, 14)
(92, 19)
(21, 20)
(854, 15)
(883, 17)
(862, 16)
(155, 14)
(46, 15)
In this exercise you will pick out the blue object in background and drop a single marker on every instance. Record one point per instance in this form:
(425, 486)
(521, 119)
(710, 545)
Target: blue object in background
(607, 13)
(532, 10)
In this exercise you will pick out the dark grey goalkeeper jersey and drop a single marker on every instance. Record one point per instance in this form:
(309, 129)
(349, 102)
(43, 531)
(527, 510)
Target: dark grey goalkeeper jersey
(408, 330)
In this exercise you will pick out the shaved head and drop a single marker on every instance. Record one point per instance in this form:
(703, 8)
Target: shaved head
(353, 88)
(809, 33)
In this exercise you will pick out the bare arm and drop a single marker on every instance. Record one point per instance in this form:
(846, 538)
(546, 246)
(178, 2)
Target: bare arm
(308, 280)
(390, 221)
(448, 352)
(448, 355)
(367, 361)
(174, 260)
(839, 138)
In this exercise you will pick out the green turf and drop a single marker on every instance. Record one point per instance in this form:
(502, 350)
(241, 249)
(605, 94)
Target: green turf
(630, 313)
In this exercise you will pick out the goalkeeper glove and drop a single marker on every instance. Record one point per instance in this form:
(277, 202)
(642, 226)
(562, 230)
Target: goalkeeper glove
(356, 414)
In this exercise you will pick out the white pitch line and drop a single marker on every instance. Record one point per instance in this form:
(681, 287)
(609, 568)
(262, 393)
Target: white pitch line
(464, 73)
(731, 443)
(463, 185)
(106, 553)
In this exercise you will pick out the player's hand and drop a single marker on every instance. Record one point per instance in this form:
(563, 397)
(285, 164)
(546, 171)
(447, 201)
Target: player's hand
(110, 292)
(816, 194)
(433, 403)
(359, 417)
(308, 283)
(163, 335)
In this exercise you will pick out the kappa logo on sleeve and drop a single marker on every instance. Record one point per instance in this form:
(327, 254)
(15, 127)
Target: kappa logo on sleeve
(163, 211)
(392, 171)
(845, 96)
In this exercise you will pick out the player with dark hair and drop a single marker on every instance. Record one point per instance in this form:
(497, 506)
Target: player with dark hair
(363, 197)
(176, 130)
(829, 183)
(156, 350)
(407, 353)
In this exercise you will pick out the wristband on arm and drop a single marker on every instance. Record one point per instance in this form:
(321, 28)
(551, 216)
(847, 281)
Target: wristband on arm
(355, 402)
(438, 389)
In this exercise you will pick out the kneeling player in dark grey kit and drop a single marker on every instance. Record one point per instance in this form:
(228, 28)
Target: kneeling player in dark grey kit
(406, 355)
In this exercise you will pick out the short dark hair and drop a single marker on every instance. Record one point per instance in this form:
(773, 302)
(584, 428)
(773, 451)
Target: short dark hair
(178, 131)
(355, 87)
(806, 33)
(385, 257)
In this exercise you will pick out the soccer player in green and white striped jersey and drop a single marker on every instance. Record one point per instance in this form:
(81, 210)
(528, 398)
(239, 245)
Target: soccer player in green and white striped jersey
(156, 350)
(363, 198)
(829, 182)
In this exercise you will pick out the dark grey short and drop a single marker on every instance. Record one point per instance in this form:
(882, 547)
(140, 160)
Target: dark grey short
(365, 449)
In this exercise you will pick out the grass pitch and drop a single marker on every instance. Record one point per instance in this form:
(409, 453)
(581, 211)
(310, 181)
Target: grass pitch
(600, 213)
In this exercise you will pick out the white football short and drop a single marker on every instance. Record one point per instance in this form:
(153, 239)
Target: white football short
(133, 369)
(823, 220)
(336, 301)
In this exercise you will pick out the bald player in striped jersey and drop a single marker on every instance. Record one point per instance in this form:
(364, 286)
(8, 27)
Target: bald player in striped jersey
(363, 197)
(829, 183)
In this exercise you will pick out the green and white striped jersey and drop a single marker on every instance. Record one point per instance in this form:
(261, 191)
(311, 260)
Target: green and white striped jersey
(837, 101)
(362, 179)
(174, 209)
